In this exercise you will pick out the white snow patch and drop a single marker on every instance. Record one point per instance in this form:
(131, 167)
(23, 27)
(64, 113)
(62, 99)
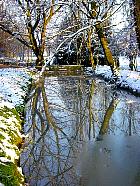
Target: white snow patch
(13, 82)
(127, 78)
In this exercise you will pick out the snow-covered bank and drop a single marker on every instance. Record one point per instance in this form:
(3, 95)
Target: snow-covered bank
(13, 85)
(127, 79)
(124, 63)
(13, 89)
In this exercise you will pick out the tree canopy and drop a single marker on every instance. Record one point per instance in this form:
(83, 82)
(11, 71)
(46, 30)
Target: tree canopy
(89, 25)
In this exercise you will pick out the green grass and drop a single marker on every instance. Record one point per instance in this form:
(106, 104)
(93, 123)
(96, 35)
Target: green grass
(10, 138)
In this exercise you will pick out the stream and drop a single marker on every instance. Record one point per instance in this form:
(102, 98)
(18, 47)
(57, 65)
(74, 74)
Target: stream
(81, 131)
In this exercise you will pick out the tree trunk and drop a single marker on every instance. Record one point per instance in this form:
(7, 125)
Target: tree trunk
(89, 45)
(108, 54)
(137, 19)
(39, 60)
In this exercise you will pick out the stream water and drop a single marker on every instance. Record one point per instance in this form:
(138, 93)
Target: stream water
(81, 132)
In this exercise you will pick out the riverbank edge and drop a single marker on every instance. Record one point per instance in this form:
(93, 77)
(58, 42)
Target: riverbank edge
(119, 86)
(11, 139)
(122, 82)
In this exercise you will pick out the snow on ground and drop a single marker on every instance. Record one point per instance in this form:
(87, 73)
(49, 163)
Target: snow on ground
(13, 85)
(13, 81)
(127, 79)
(13, 89)
(124, 63)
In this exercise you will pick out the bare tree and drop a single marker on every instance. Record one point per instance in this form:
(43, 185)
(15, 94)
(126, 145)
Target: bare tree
(30, 24)
(89, 21)
(93, 18)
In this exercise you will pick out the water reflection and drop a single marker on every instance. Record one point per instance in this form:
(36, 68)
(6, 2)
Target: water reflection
(65, 114)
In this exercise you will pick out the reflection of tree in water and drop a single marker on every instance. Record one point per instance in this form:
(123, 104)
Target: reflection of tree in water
(61, 115)
(50, 152)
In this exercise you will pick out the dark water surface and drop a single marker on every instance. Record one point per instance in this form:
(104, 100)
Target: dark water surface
(81, 132)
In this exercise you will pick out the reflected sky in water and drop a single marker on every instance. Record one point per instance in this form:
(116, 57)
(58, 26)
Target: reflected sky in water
(81, 132)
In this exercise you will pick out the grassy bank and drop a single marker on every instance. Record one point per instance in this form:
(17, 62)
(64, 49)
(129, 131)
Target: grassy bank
(13, 90)
(10, 140)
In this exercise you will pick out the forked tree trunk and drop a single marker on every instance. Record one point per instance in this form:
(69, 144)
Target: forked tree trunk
(39, 50)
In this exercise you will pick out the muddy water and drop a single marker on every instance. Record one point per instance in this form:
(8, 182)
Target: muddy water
(81, 132)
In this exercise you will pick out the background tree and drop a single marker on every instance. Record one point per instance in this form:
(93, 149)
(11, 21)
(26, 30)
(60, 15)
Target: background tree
(27, 21)
(92, 22)
(86, 25)
(136, 4)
